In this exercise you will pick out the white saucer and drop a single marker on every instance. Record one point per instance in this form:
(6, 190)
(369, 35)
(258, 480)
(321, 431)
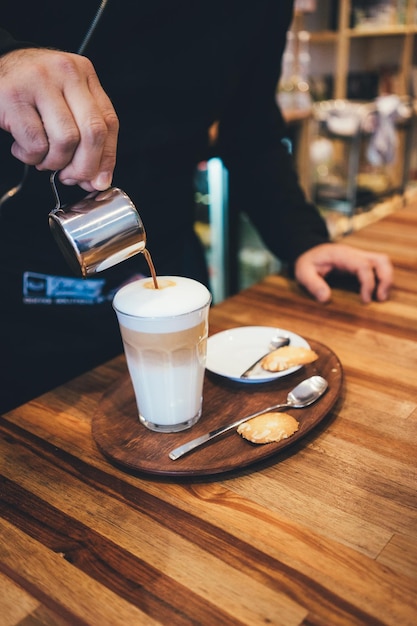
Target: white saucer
(231, 352)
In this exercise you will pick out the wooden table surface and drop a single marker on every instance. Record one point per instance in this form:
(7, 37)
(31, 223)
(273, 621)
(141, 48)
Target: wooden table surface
(324, 533)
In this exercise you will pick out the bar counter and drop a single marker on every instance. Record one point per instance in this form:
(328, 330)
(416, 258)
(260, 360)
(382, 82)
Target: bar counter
(323, 533)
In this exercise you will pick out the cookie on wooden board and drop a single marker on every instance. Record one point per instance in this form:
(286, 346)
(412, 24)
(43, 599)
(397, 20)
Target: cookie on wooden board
(268, 427)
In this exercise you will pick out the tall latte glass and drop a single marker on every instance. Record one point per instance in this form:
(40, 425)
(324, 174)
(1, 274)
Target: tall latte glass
(164, 334)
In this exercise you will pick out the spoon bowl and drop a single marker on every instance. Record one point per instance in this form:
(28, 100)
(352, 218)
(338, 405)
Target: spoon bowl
(307, 392)
(278, 341)
(304, 394)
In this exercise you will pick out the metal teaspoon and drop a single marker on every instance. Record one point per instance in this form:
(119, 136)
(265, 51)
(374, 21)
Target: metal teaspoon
(304, 394)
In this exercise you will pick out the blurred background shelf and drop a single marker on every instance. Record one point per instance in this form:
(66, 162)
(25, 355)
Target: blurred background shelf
(360, 36)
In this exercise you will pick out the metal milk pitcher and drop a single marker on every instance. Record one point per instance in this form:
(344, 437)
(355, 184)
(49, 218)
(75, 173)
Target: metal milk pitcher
(99, 231)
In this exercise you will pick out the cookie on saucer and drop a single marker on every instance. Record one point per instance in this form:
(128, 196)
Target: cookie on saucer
(288, 356)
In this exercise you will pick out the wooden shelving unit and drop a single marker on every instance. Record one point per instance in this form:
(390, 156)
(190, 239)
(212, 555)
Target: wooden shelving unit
(341, 50)
(338, 49)
(357, 55)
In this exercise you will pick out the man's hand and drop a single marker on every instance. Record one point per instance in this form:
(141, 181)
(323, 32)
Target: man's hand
(374, 271)
(53, 105)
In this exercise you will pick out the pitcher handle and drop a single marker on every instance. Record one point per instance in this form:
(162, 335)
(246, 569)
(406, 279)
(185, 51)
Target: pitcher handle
(58, 204)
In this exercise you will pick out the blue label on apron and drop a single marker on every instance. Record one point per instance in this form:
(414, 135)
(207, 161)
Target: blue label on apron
(46, 289)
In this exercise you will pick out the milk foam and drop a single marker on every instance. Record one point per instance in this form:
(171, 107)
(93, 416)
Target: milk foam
(177, 295)
(141, 307)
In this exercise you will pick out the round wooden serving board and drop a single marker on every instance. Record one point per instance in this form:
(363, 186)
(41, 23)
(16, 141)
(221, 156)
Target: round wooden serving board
(127, 443)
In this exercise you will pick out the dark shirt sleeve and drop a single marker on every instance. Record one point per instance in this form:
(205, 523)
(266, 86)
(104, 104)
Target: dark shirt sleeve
(9, 43)
(264, 184)
(263, 181)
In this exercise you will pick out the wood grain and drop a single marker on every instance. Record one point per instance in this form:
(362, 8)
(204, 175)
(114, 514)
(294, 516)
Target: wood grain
(322, 533)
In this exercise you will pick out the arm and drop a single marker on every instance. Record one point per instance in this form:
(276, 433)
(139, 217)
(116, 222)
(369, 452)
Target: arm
(264, 184)
(263, 181)
(60, 118)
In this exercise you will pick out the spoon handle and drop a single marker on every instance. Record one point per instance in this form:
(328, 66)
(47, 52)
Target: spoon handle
(250, 369)
(199, 441)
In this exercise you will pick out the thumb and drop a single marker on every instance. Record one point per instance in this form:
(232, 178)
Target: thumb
(313, 283)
